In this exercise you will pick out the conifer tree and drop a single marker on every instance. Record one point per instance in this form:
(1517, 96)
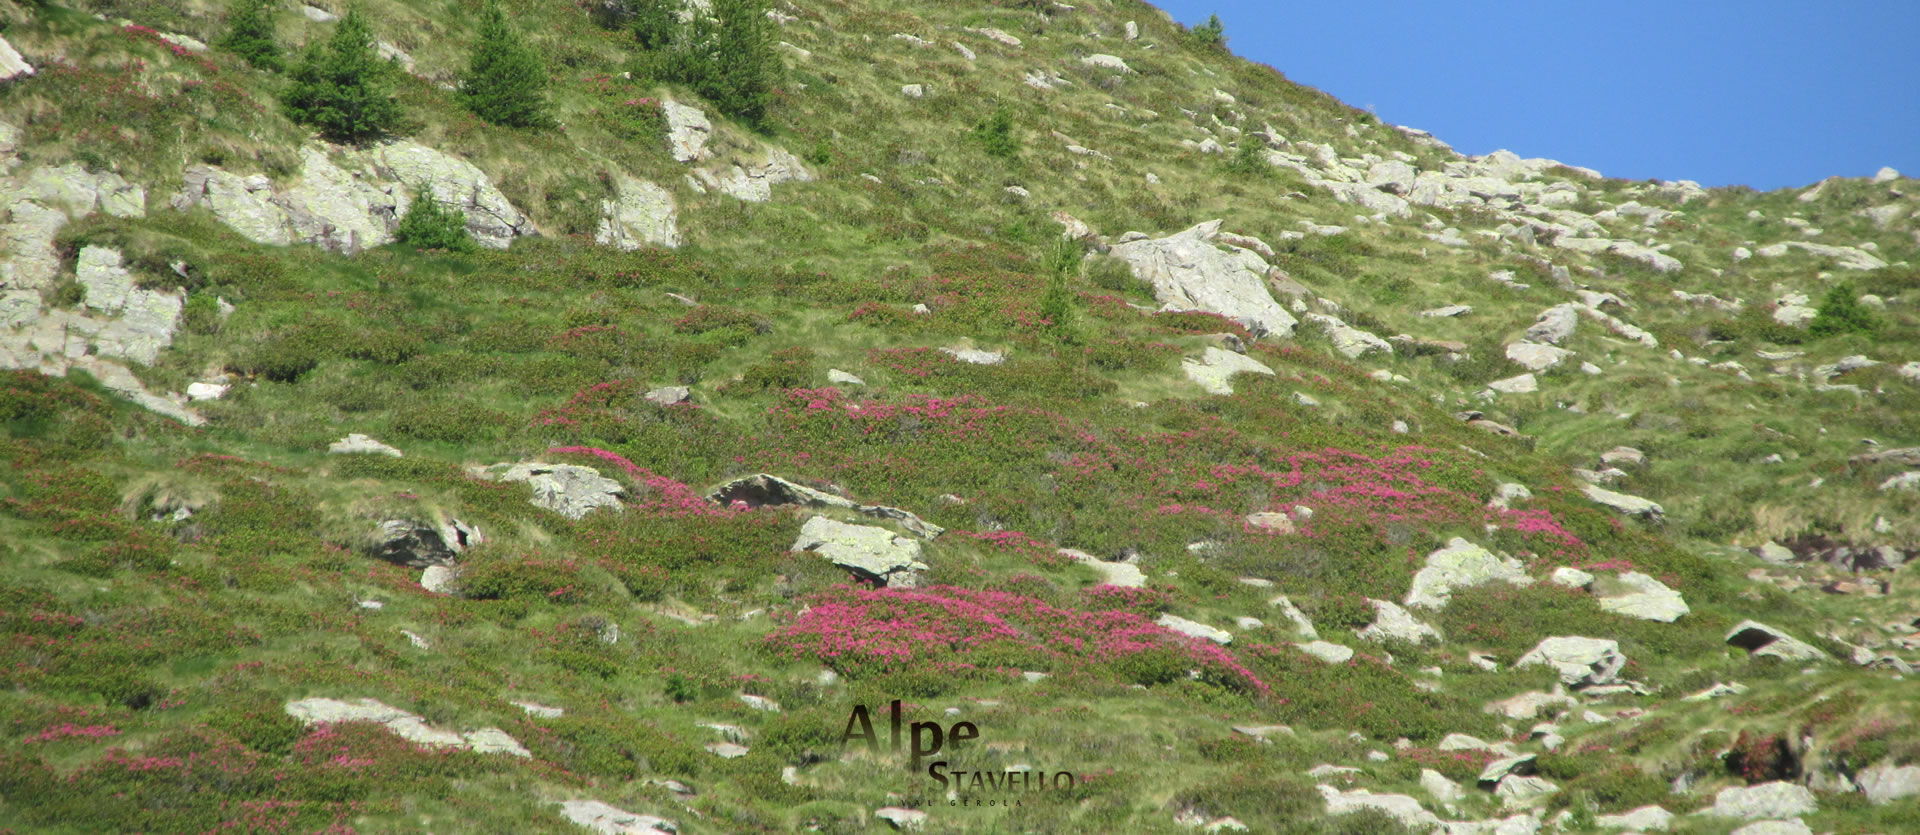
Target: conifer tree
(729, 59)
(505, 83)
(250, 35)
(341, 87)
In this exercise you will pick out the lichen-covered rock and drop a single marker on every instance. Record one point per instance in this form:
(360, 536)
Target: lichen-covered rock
(1459, 565)
(1392, 623)
(1637, 595)
(1194, 629)
(1777, 800)
(1400, 807)
(1628, 505)
(1212, 369)
(641, 214)
(454, 183)
(687, 131)
(1189, 272)
(1534, 356)
(356, 443)
(1886, 783)
(146, 319)
(570, 490)
(754, 181)
(875, 554)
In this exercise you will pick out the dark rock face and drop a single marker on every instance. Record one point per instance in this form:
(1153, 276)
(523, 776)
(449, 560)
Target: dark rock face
(418, 545)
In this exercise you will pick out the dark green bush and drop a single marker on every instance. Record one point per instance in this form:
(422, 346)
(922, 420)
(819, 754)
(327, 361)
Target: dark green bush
(429, 225)
(450, 420)
(1841, 312)
(995, 134)
(728, 56)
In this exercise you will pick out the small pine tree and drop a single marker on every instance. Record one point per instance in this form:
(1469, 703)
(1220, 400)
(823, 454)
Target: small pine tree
(1056, 304)
(429, 225)
(250, 35)
(1841, 312)
(995, 134)
(729, 59)
(1211, 33)
(505, 83)
(341, 87)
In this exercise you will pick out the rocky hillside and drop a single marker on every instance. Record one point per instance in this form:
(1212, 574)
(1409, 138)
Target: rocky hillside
(1120, 408)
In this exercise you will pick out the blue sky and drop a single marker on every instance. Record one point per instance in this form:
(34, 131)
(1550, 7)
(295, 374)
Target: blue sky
(1764, 93)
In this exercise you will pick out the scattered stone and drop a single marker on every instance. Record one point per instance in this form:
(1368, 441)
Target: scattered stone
(1392, 623)
(1402, 808)
(1215, 366)
(1523, 384)
(1645, 598)
(640, 214)
(726, 750)
(1886, 783)
(1461, 564)
(1441, 788)
(608, 820)
(1450, 311)
(905, 820)
(357, 443)
(1123, 575)
(1329, 652)
(842, 378)
(1776, 800)
(1528, 705)
(759, 702)
(1628, 505)
(1194, 629)
(914, 91)
(538, 710)
(1581, 662)
(1781, 827)
(876, 555)
(1572, 578)
(975, 356)
(406, 725)
(1301, 625)
(1106, 62)
(767, 490)
(1534, 356)
(570, 490)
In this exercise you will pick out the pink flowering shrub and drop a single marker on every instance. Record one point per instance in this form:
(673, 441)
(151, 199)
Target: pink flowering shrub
(863, 631)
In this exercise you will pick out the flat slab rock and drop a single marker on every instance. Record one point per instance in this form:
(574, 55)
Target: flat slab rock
(768, 490)
(1192, 271)
(609, 820)
(1392, 623)
(570, 490)
(403, 724)
(1761, 639)
(1637, 595)
(875, 554)
(1194, 629)
(1123, 575)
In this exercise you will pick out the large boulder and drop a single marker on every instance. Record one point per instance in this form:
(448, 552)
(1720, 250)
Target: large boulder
(1637, 595)
(452, 181)
(1581, 662)
(11, 64)
(1459, 565)
(570, 490)
(1351, 342)
(754, 181)
(1763, 640)
(1555, 324)
(145, 320)
(1400, 807)
(1213, 368)
(687, 131)
(876, 555)
(1189, 272)
(421, 545)
(1535, 356)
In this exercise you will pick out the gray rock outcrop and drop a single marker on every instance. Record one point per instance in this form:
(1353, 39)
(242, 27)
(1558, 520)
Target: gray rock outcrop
(1776, 800)
(1188, 271)
(768, 490)
(640, 214)
(1628, 505)
(1392, 623)
(603, 819)
(406, 725)
(1637, 595)
(1763, 640)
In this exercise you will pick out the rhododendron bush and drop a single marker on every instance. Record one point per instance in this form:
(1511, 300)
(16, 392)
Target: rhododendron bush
(864, 631)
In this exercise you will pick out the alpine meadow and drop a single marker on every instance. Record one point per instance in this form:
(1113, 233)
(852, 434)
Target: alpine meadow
(645, 416)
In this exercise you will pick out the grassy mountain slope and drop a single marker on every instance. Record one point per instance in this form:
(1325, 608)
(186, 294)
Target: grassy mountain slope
(174, 592)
